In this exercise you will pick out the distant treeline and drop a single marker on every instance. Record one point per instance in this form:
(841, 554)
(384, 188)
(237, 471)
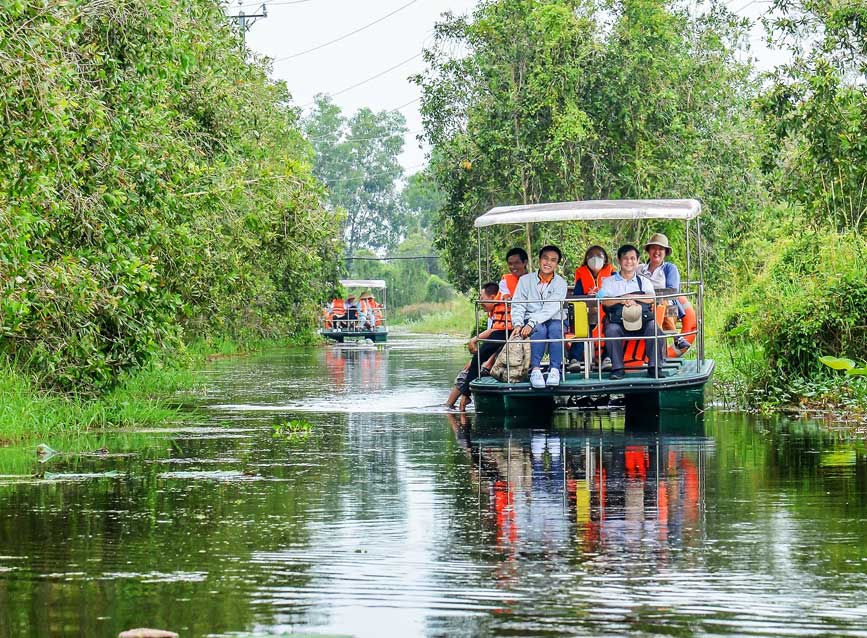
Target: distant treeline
(154, 186)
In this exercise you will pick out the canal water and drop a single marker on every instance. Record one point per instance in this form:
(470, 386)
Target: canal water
(323, 492)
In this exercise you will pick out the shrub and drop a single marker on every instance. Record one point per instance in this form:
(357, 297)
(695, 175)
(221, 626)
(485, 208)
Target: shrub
(438, 291)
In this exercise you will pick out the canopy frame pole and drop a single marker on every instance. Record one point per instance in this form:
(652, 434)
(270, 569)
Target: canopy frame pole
(529, 235)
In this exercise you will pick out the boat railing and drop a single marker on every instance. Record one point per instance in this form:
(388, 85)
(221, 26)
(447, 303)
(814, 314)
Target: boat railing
(692, 292)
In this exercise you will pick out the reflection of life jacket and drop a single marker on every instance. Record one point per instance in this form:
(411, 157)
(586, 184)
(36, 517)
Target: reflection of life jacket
(636, 461)
(501, 318)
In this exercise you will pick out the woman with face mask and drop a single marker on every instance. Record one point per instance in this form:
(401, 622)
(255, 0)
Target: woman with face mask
(588, 278)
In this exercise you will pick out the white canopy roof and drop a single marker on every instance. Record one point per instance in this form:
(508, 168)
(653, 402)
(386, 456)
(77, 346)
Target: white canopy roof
(602, 209)
(362, 283)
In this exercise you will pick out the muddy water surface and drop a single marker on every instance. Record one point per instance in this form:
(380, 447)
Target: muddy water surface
(373, 512)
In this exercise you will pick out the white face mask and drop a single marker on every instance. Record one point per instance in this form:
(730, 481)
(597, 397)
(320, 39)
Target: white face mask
(596, 262)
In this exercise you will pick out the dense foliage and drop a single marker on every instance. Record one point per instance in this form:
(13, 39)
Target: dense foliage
(551, 102)
(153, 184)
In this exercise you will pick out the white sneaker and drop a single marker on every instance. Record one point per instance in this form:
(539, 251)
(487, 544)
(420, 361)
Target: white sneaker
(606, 363)
(553, 377)
(537, 380)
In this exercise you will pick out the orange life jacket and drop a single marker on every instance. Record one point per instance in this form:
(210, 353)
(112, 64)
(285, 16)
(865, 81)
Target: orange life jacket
(511, 283)
(377, 310)
(588, 281)
(338, 307)
(501, 318)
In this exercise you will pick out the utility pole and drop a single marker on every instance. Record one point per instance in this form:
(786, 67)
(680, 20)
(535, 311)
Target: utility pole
(246, 20)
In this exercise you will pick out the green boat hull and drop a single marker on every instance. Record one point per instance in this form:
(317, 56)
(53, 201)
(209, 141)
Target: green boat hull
(679, 389)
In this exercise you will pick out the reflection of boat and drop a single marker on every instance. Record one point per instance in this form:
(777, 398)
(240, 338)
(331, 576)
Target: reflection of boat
(363, 369)
(599, 483)
(361, 321)
(678, 384)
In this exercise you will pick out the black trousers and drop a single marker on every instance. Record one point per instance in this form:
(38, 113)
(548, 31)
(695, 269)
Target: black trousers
(486, 349)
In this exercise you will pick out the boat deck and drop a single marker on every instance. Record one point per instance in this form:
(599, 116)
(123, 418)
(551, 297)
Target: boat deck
(676, 374)
(377, 336)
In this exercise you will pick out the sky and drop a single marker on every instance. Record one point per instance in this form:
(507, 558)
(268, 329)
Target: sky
(397, 32)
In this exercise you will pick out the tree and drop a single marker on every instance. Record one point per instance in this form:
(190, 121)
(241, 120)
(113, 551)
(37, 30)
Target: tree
(422, 201)
(548, 104)
(816, 111)
(356, 158)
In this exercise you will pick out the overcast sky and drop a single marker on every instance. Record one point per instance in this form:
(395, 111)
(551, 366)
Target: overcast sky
(294, 26)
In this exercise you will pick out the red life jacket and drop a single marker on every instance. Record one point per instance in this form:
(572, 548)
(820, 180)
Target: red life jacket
(511, 283)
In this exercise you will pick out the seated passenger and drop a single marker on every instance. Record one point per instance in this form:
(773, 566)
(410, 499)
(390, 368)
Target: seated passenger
(663, 274)
(366, 316)
(517, 261)
(485, 350)
(336, 313)
(540, 315)
(588, 277)
(351, 313)
(628, 292)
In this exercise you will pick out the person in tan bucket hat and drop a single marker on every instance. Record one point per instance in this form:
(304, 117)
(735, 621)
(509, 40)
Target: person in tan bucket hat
(663, 274)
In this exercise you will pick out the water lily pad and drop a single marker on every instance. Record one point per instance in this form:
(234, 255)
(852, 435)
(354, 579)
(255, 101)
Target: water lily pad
(837, 363)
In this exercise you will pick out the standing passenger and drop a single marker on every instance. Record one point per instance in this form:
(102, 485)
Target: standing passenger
(538, 314)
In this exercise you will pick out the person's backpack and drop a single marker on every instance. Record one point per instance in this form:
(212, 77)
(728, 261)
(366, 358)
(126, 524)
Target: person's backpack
(513, 362)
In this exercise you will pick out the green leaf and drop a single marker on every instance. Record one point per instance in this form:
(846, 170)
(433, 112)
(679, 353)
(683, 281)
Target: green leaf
(857, 372)
(836, 363)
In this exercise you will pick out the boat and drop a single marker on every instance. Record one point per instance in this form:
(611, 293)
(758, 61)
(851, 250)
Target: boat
(354, 324)
(681, 380)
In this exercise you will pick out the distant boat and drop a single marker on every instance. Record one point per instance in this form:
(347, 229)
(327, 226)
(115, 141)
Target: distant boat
(359, 321)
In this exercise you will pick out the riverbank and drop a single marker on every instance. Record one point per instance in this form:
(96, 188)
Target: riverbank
(150, 396)
(454, 318)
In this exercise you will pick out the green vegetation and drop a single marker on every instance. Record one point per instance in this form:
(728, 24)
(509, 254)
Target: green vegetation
(453, 317)
(28, 413)
(154, 188)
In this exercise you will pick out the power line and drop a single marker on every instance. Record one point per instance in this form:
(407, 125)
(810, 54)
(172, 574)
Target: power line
(365, 139)
(345, 35)
(361, 177)
(390, 258)
(371, 78)
(247, 20)
(275, 3)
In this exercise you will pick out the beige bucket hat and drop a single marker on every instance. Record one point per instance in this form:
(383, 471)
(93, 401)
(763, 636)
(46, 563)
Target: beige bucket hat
(658, 239)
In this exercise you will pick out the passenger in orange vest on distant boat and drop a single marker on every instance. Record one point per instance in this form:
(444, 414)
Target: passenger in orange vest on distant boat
(336, 312)
(588, 279)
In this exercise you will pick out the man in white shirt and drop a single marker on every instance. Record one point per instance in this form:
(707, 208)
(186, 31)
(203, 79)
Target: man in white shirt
(628, 289)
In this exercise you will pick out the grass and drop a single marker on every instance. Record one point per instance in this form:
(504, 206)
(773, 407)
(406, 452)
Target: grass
(451, 317)
(28, 413)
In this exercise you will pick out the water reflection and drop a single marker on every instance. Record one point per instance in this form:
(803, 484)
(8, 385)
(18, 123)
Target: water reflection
(600, 485)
